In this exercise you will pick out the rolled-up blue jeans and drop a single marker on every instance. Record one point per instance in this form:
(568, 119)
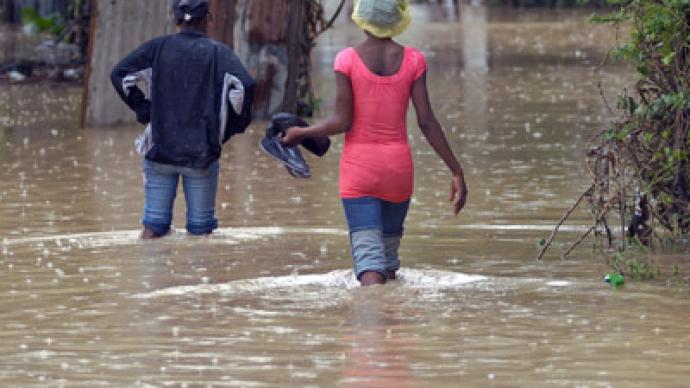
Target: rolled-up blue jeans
(160, 185)
(376, 227)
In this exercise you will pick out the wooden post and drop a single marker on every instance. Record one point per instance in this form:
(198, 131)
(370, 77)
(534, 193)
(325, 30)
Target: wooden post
(93, 7)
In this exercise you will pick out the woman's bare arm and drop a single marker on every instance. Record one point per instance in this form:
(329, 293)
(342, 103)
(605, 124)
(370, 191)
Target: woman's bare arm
(338, 122)
(433, 133)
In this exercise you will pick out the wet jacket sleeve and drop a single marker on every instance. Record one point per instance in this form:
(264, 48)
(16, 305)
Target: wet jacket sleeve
(138, 60)
(238, 123)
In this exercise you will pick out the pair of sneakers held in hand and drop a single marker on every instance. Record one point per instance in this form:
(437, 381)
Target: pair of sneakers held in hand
(291, 156)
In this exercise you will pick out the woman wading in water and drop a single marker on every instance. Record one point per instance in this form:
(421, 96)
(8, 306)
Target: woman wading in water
(375, 81)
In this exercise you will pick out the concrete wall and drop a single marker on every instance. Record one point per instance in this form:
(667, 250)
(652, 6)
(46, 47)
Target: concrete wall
(120, 26)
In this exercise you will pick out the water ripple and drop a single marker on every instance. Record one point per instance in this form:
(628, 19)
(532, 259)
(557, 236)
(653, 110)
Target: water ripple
(343, 279)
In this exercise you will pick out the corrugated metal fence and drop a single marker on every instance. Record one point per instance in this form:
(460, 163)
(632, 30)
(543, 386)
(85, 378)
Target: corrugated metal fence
(120, 27)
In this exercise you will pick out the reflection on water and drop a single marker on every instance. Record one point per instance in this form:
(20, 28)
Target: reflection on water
(376, 351)
(269, 300)
(475, 38)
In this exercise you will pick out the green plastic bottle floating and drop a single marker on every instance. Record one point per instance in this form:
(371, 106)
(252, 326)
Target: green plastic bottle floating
(614, 279)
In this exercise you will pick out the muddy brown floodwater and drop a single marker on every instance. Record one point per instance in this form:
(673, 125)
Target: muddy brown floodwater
(269, 300)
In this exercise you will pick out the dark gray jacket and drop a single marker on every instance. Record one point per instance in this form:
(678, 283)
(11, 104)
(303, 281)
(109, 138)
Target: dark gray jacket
(189, 90)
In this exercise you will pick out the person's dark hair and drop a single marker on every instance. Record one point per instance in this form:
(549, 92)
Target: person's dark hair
(200, 24)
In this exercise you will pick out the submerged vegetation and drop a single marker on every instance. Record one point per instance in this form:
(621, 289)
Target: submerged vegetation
(638, 264)
(640, 164)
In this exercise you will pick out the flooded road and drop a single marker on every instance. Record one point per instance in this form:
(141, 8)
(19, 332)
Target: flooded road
(269, 300)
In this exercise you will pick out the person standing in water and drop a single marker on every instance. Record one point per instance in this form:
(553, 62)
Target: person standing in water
(375, 81)
(200, 95)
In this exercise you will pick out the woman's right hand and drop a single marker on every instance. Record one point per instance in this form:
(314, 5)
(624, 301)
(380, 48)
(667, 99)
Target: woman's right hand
(458, 193)
(293, 136)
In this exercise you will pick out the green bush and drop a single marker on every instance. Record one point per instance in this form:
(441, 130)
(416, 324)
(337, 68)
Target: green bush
(52, 24)
(648, 147)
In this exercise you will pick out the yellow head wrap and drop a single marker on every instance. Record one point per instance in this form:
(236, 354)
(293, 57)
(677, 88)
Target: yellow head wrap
(382, 18)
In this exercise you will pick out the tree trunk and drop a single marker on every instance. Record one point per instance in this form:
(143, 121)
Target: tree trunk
(295, 41)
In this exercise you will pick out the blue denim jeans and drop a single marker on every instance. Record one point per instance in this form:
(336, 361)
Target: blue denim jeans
(200, 186)
(376, 227)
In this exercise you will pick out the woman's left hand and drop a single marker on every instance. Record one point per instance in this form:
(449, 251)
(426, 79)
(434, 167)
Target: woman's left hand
(458, 193)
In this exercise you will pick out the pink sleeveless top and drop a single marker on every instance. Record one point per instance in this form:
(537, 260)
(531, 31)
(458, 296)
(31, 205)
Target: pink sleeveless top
(376, 159)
